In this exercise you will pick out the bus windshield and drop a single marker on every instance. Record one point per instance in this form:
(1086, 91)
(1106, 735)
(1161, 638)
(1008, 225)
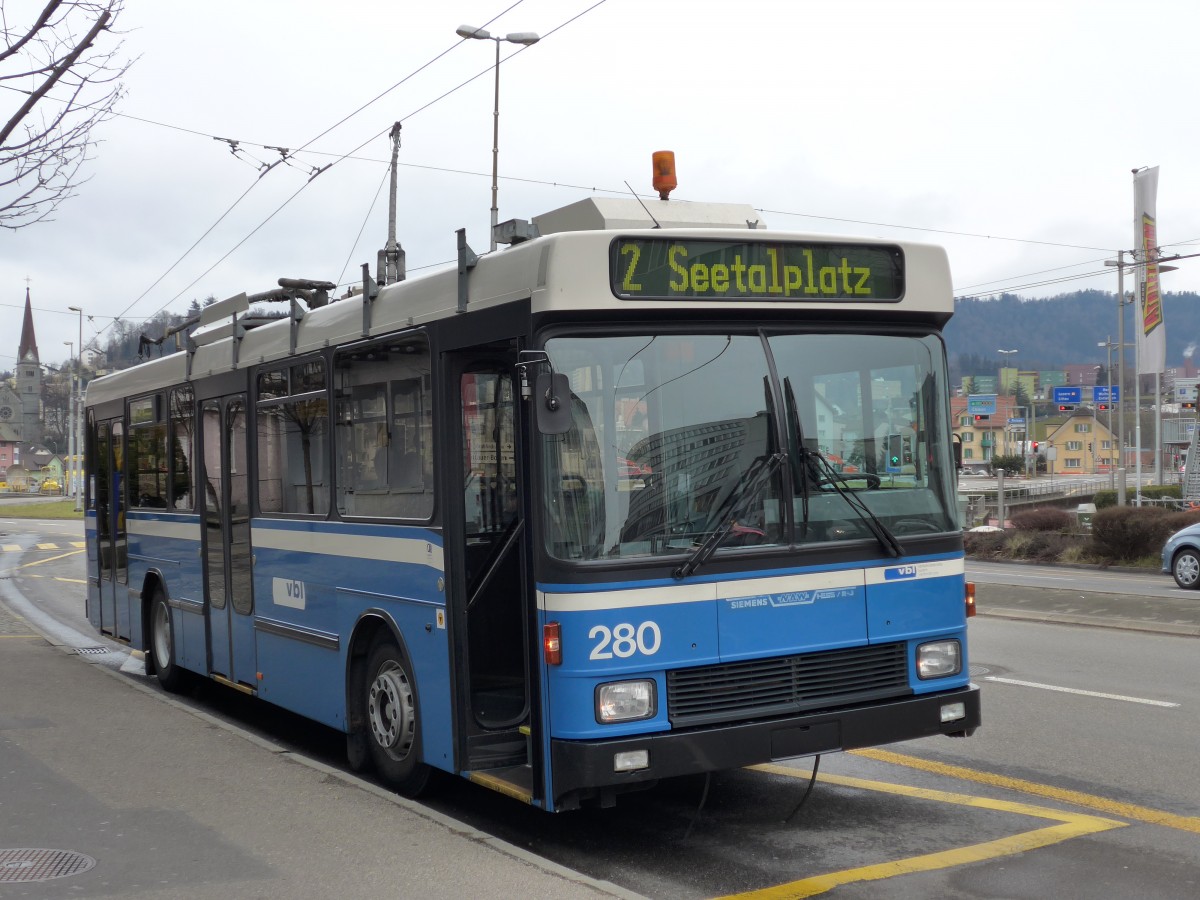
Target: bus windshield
(667, 429)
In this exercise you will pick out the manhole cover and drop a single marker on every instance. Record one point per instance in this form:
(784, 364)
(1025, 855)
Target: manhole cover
(90, 651)
(980, 670)
(41, 865)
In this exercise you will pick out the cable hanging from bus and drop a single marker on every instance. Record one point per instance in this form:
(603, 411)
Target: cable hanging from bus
(653, 491)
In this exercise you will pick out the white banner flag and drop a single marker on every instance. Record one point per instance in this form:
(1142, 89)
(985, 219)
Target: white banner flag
(1151, 327)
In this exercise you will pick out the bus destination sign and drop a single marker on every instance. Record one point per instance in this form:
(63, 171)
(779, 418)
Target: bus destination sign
(660, 268)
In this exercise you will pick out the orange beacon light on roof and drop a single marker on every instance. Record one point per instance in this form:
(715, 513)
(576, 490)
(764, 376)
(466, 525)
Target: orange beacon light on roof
(664, 173)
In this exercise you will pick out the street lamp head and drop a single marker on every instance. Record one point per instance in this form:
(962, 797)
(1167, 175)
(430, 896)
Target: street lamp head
(522, 37)
(470, 31)
(75, 309)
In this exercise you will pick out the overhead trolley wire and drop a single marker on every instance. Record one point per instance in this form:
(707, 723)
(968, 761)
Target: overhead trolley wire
(345, 156)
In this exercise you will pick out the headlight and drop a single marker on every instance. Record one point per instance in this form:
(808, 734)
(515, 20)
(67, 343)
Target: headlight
(939, 659)
(624, 701)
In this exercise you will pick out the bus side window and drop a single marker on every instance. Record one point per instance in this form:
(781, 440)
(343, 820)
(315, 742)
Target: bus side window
(384, 431)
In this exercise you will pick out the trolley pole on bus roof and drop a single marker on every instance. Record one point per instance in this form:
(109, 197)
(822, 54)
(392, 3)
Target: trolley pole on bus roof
(517, 37)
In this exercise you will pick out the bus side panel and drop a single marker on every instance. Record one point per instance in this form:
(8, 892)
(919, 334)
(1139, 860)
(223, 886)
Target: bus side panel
(423, 627)
(314, 581)
(619, 643)
(167, 544)
(171, 544)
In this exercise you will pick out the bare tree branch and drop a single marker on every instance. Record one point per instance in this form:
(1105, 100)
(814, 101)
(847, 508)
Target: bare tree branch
(71, 86)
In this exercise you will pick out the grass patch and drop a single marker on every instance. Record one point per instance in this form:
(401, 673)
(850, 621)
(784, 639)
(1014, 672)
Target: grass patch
(50, 509)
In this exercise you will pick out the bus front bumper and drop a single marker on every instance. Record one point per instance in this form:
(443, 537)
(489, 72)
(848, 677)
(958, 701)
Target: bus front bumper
(585, 770)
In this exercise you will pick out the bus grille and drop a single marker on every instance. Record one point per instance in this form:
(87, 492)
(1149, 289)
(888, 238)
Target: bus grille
(785, 685)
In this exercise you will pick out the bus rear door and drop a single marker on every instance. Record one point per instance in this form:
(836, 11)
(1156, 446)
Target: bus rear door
(227, 556)
(112, 615)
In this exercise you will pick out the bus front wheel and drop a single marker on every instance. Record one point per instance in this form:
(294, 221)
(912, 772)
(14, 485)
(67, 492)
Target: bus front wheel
(162, 644)
(393, 720)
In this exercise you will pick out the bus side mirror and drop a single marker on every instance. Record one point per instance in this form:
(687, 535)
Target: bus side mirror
(552, 398)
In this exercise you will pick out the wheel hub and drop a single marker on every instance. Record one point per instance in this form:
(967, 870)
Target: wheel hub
(390, 710)
(162, 636)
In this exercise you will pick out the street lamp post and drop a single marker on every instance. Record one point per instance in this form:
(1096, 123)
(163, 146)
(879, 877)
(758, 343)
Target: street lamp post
(517, 37)
(76, 444)
(70, 416)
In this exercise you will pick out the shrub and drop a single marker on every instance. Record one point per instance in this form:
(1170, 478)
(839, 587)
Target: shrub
(1013, 464)
(1130, 532)
(1105, 499)
(1036, 546)
(984, 544)
(1045, 519)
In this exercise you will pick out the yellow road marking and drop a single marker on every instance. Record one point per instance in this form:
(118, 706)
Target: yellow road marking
(11, 548)
(1075, 798)
(38, 562)
(46, 546)
(71, 580)
(1071, 825)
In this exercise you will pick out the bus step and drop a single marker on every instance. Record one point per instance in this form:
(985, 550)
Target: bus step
(495, 751)
(513, 781)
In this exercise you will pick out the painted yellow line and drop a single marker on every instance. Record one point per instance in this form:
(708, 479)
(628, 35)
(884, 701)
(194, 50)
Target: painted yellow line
(3, 636)
(47, 546)
(1071, 825)
(1075, 798)
(11, 548)
(71, 580)
(47, 559)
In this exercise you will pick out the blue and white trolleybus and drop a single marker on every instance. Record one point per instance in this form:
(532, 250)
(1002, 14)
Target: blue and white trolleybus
(657, 491)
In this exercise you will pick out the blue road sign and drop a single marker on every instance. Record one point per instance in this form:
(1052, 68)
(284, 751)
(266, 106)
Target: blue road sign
(1104, 393)
(1068, 395)
(981, 405)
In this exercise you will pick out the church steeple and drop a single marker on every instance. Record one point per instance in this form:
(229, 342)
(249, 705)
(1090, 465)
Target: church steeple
(28, 339)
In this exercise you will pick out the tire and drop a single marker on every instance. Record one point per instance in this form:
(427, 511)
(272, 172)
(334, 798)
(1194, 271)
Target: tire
(393, 723)
(162, 644)
(1186, 569)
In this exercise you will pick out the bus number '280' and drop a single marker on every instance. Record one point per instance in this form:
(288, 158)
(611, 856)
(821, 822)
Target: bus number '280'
(624, 640)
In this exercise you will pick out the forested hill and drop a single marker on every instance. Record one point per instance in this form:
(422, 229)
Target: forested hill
(1056, 331)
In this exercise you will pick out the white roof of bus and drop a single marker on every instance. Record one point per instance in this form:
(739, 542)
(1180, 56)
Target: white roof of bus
(611, 213)
(562, 270)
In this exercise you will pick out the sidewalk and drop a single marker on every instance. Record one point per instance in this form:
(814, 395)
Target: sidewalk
(1130, 611)
(134, 795)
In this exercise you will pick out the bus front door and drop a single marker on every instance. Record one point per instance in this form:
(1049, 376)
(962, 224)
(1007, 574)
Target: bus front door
(486, 542)
(227, 556)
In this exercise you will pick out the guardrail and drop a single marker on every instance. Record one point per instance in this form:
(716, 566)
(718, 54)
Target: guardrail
(982, 500)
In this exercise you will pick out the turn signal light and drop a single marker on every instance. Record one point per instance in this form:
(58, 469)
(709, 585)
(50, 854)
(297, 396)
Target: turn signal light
(552, 643)
(970, 598)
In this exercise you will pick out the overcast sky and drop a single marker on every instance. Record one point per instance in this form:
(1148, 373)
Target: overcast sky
(1006, 131)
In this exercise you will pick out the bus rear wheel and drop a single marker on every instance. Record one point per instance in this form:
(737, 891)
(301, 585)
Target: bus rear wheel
(393, 721)
(162, 644)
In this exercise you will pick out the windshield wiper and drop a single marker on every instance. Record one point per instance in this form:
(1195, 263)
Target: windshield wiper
(825, 473)
(834, 478)
(756, 478)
